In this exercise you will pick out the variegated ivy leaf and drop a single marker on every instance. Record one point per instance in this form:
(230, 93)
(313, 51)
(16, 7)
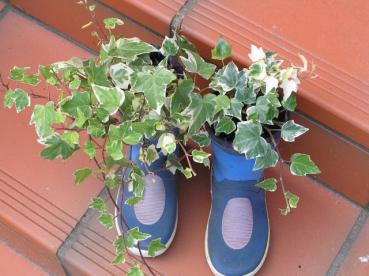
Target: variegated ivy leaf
(270, 83)
(201, 138)
(291, 130)
(301, 165)
(173, 164)
(19, 74)
(110, 23)
(200, 156)
(229, 77)
(151, 155)
(90, 149)
(235, 109)
(48, 74)
(222, 102)
(263, 111)
(288, 87)
(269, 185)
(135, 271)
(77, 106)
(194, 63)
(98, 204)
(97, 73)
(110, 98)
(256, 53)
(187, 172)
(155, 246)
(290, 103)
(181, 98)
(95, 128)
(121, 75)
(130, 48)
(81, 175)
(201, 109)
(154, 85)
(293, 199)
(107, 220)
(71, 137)
(258, 71)
(248, 140)
(18, 97)
(167, 143)
(137, 235)
(222, 49)
(57, 147)
(269, 159)
(169, 47)
(225, 125)
(43, 117)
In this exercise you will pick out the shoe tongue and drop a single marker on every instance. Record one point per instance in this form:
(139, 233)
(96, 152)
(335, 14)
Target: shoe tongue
(237, 222)
(151, 208)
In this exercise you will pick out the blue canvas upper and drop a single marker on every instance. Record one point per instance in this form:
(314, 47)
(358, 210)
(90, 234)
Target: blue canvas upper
(165, 226)
(233, 177)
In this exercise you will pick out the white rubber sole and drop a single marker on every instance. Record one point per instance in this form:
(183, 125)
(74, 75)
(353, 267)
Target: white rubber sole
(217, 273)
(145, 253)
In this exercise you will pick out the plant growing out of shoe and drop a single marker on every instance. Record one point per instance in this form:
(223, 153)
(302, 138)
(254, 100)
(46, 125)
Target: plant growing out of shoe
(249, 107)
(131, 94)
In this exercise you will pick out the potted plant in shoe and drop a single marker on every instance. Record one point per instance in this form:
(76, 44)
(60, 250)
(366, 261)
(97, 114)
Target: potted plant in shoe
(129, 110)
(249, 116)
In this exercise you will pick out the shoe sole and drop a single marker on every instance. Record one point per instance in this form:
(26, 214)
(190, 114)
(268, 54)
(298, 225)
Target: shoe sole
(217, 273)
(145, 253)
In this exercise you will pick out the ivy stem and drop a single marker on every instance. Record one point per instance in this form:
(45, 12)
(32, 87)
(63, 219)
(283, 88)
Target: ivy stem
(187, 156)
(281, 167)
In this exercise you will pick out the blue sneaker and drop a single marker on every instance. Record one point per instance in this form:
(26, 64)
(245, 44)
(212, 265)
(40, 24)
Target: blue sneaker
(157, 213)
(237, 234)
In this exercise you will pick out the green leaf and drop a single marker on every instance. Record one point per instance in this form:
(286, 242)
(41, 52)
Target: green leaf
(155, 246)
(133, 200)
(293, 200)
(43, 117)
(169, 47)
(115, 149)
(97, 74)
(138, 185)
(137, 235)
(135, 271)
(291, 130)
(201, 138)
(222, 49)
(154, 86)
(119, 259)
(225, 125)
(18, 74)
(110, 23)
(194, 63)
(167, 143)
(130, 48)
(121, 75)
(95, 128)
(235, 109)
(248, 140)
(109, 98)
(90, 149)
(107, 220)
(269, 159)
(71, 137)
(181, 98)
(98, 204)
(201, 110)
(228, 80)
(112, 181)
(290, 103)
(200, 156)
(81, 174)
(222, 102)
(18, 97)
(57, 147)
(75, 83)
(187, 172)
(263, 112)
(301, 165)
(151, 155)
(269, 185)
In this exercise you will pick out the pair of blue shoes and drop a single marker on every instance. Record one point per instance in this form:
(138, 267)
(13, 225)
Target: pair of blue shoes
(237, 234)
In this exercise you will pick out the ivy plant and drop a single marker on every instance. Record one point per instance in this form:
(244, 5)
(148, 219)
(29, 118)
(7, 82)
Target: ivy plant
(136, 93)
(249, 107)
